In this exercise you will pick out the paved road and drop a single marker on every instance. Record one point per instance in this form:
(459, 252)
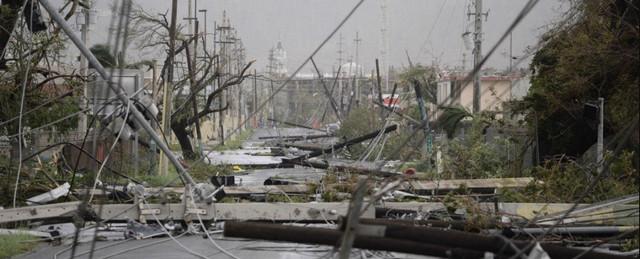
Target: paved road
(165, 248)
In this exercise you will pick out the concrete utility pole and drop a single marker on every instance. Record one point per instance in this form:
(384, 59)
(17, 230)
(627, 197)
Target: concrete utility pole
(357, 41)
(600, 144)
(477, 53)
(223, 63)
(385, 43)
(84, 67)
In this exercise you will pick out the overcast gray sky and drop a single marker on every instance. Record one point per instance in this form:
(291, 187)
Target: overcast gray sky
(430, 30)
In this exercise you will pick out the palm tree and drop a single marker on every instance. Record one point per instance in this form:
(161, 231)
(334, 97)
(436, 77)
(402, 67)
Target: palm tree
(451, 117)
(102, 52)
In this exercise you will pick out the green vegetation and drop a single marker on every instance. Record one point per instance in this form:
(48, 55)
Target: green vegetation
(473, 156)
(275, 197)
(33, 181)
(162, 180)
(12, 245)
(563, 180)
(592, 53)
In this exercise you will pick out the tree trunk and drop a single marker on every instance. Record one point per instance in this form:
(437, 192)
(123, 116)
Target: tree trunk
(183, 139)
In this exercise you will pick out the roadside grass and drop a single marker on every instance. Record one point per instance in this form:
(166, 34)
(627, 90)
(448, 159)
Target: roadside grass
(162, 180)
(12, 245)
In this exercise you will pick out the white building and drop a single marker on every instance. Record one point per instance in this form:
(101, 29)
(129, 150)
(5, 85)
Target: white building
(280, 61)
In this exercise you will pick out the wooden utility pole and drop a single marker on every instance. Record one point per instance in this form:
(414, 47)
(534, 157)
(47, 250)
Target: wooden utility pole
(84, 67)
(224, 63)
(357, 74)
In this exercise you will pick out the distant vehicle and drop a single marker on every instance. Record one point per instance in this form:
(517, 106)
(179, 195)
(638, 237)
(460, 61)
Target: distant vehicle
(391, 101)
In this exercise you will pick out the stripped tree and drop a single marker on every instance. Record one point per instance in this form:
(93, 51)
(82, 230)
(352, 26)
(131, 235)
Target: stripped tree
(153, 33)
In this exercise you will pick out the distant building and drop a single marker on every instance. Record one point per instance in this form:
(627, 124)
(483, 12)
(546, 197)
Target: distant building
(350, 69)
(280, 61)
(495, 91)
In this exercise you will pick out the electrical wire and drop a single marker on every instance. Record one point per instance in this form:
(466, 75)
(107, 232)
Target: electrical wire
(38, 107)
(141, 246)
(106, 159)
(123, 12)
(23, 93)
(20, 13)
(285, 82)
(20, 134)
(628, 132)
(144, 202)
(433, 26)
(206, 231)
(523, 13)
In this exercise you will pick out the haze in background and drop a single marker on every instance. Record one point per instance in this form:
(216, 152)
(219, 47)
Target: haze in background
(430, 31)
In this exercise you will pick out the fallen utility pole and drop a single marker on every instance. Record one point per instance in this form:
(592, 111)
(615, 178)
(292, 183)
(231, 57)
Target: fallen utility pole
(350, 166)
(307, 147)
(454, 224)
(293, 124)
(298, 137)
(329, 94)
(264, 211)
(591, 231)
(341, 145)
(332, 237)
(137, 115)
(477, 242)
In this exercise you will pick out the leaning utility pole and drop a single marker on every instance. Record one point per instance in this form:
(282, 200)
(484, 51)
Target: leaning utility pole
(477, 53)
(136, 114)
